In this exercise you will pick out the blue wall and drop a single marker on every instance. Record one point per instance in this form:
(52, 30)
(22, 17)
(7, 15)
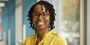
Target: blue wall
(27, 6)
(5, 22)
(12, 20)
(8, 21)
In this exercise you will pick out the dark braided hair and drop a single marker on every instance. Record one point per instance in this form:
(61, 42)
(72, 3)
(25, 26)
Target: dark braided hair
(48, 7)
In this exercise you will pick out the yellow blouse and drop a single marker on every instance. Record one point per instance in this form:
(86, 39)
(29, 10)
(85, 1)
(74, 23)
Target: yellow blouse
(50, 38)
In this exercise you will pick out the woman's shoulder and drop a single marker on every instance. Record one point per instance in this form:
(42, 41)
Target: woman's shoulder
(31, 36)
(56, 34)
(59, 39)
(28, 39)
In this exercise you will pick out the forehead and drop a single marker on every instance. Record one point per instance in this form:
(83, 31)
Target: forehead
(39, 8)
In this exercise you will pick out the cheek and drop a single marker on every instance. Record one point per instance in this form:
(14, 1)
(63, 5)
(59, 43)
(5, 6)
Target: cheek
(34, 21)
(48, 20)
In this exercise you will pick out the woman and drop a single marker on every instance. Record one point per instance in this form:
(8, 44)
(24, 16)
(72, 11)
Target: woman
(42, 17)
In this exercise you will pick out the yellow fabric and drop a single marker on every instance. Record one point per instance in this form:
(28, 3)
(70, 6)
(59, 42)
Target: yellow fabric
(50, 38)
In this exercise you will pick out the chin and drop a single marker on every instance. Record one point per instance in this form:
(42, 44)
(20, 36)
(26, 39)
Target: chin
(41, 28)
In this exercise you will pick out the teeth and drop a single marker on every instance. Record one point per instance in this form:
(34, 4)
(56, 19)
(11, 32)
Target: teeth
(41, 23)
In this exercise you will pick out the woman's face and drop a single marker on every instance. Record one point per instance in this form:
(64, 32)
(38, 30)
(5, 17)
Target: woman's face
(41, 17)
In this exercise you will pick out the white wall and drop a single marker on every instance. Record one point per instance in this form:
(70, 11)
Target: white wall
(88, 22)
(18, 22)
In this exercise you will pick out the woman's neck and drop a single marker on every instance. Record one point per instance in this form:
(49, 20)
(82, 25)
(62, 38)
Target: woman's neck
(42, 32)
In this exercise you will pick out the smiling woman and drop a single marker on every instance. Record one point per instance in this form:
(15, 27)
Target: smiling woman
(42, 17)
(41, 20)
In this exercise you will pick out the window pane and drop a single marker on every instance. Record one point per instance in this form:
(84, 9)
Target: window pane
(71, 21)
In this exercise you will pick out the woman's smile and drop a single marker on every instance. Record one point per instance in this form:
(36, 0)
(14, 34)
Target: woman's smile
(40, 23)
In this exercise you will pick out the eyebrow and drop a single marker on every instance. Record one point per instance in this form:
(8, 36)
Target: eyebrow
(37, 12)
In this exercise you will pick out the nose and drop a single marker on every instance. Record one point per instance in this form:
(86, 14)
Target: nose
(40, 17)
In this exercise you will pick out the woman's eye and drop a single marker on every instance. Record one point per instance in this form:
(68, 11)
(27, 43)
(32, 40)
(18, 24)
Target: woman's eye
(44, 15)
(36, 14)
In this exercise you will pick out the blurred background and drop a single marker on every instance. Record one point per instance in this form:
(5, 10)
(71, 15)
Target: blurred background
(72, 21)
